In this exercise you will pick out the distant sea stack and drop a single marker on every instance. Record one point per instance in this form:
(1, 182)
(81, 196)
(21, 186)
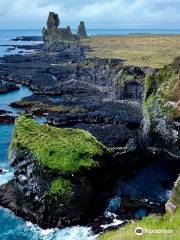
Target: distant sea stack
(82, 31)
(54, 33)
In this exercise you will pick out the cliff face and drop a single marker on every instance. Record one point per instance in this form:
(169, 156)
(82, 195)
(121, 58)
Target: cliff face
(161, 110)
(161, 132)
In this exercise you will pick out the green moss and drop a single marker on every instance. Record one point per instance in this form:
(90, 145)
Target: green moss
(149, 86)
(163, 87)
(168, 222)
(168, 81)
(59, 187)
(64, 150)
(122, 77)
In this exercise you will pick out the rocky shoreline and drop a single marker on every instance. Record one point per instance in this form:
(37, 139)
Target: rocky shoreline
(6, 87)
(105, 97)
(72, 90)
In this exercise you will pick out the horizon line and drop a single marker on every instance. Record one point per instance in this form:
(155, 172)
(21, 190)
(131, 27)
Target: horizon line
(115, 29)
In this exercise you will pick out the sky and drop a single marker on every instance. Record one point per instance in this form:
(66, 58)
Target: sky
(97, 14)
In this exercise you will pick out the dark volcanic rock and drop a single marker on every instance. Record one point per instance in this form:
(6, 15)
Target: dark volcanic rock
(90, 86)
(53, 33)
(7, 119)
(53, 21)
(6, 87)
(3, 112)
(129, 83)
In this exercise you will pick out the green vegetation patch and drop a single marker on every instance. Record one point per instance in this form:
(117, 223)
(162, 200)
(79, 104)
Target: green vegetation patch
(164, 87)
(149, 86)
(168, 79)
(167, 222)
(140, 50)
(123, 77)
(64, 150)
(59, 187)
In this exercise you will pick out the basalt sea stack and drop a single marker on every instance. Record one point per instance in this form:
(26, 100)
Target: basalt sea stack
(54, 33)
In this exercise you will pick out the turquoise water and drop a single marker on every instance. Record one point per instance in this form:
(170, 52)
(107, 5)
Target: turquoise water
(6, 37)
(6, 99)
(12, 227)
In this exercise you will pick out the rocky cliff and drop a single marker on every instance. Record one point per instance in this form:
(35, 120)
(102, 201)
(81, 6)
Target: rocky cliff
(161, 125)
(161, 110)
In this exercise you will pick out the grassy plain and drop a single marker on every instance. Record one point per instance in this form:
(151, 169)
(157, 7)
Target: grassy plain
(140, 50)
(169, 223)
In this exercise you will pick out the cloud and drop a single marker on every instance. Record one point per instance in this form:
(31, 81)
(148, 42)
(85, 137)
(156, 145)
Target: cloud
(96, 13)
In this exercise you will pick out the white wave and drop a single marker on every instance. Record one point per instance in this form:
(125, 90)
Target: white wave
(6, 176)
(70, 233)
(113, 224)
(74, 233)
(32, 231)
(39, 233)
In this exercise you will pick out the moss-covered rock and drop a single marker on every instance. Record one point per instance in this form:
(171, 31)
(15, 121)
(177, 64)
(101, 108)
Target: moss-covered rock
(162, 110)
(165, 86)
(65, 151)
(54, 169)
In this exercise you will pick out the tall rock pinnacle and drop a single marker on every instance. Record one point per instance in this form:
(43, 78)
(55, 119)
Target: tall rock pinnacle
(53, 21)
(81, 30)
